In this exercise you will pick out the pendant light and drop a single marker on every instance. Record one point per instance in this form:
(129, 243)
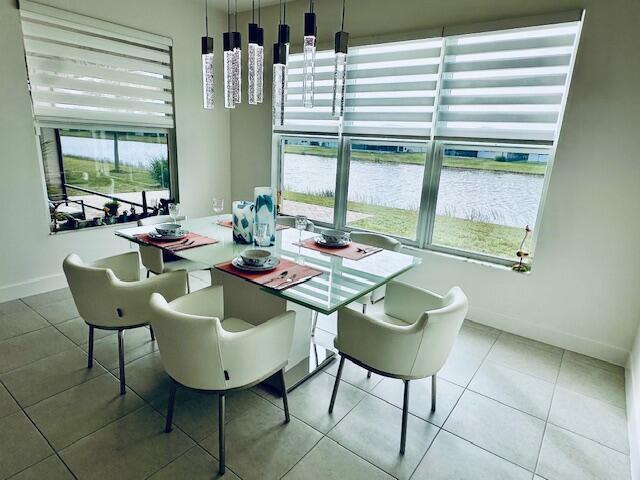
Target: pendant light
(208, 85)
(284, 31)
(309, 50)
(340, 69)
(280, 54)
(232, 61)
(256, 58)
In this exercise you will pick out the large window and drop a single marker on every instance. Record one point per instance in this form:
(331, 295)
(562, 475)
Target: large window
(446, 143)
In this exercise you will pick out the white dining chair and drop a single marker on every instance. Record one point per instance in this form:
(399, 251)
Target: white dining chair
(109, 295)
(156, 261)
(291, 222)
(410, 339)
(201, 349)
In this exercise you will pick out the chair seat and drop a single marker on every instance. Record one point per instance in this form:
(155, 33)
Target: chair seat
(235, 325)
(183, 264)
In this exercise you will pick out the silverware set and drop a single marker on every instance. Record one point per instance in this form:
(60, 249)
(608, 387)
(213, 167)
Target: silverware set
(184, 243)
(366, 250)
(284, 280)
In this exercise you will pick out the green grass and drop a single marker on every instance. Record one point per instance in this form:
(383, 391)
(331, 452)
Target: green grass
(419, 158)
(486, 238)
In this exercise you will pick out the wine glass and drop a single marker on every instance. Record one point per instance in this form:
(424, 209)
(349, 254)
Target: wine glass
(218, 207)
(174, 211)
(301, 225)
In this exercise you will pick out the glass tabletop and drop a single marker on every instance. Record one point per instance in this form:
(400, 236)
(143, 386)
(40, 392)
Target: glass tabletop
(342, 280)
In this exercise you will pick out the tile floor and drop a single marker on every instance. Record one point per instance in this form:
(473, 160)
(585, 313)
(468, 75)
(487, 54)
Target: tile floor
(508, 408)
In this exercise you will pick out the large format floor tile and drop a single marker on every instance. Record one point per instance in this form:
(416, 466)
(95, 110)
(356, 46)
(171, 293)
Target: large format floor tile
(591, 418)
(74, 413)
(137, 344)
(593, 381)
(146, 377)
(50, 468)
(567, 456)
(13, 306)
(77, 331)
(260, 445)
(21, 444)
(31, 347)
(330, 461)
(518, 390)
(7, 404)
(195, 464)
(44, 378)
(452, 458)
(372, 431)
(48, 297)
(20, 322)
(133, 448)
(59, 311)
(509, 433)
(354, 375)
(447, 395)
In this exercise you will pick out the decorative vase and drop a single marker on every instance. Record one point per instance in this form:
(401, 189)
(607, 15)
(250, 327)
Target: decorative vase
(243, 217)
(266, 209)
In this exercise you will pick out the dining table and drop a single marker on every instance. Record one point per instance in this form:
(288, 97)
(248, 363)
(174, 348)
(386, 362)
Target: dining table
(341, 281)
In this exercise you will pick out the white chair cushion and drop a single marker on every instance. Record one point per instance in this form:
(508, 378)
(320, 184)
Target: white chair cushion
(235, 325)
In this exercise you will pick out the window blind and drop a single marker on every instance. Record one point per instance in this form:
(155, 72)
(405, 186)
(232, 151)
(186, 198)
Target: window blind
(82, 70)
(506, 84)
(391, 88)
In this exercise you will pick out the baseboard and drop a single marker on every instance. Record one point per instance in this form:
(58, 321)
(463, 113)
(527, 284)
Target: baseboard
(32, 287)
(586, 346)
(633, 415)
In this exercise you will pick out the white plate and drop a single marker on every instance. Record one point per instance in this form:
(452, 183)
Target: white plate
(323, 243)
(156, 236)
(270, 264)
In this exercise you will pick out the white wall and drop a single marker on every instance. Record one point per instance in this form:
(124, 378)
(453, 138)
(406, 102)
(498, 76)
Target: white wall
(583, 291)
(632, 387)
(30, 258)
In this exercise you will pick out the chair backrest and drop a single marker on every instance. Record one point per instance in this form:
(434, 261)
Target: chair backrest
(376, 240)
(189, 345)
(440, 331)
(157, 219)
(291, 222)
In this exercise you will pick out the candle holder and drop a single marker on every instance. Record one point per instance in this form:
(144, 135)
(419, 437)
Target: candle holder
(243, 218)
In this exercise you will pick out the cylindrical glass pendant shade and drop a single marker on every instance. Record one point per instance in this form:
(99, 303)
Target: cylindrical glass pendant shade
(256, 64)
(228, 79)
(339, 84)
(309, 65)
(279, 93)
(207, 73)
(237, 67)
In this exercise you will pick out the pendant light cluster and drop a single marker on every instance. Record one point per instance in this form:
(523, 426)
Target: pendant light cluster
(232, 59)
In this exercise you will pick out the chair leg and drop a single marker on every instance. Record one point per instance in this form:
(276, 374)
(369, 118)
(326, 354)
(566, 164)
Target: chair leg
(285, 400)
(405, 415)
(153, 336)
(433, 392)
(90, 353)
(221, 468)
(173, 386)
(121, 362)
(336, 385)
(314, 323)
(188, 284)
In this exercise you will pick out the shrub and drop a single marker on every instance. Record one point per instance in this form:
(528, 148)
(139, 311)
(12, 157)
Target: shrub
(159, 171)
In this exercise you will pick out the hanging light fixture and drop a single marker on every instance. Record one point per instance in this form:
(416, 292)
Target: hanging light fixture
(208, 85)
(256, 58)
(340, 69)
(232, 61)
(284, 32)
(280, 55)
(309, 50)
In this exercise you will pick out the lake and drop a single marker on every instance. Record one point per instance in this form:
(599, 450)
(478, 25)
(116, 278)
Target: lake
(136, 154)
(503, 198)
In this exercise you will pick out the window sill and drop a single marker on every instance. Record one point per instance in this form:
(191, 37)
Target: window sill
(113, 226)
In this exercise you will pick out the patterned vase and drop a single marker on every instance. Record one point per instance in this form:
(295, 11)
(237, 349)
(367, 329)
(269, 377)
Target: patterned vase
(266, 209)
(243, 216)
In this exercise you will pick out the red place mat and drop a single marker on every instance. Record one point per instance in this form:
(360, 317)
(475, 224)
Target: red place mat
(192, 240)
(273, 279)
(354, 251)
(229, 224)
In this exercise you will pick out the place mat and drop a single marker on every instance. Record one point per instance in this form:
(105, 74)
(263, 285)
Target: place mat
(354, 251)
(229, 224)
(192, 240)
(274, 279)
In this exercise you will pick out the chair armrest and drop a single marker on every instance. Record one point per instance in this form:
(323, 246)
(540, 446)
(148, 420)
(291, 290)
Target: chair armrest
(407, 302)
(125, 266)
(208, 302)
(381, 345)
(250, 355)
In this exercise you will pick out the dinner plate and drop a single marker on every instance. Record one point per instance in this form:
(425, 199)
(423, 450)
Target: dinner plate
(341, 244)
(270, 264)
(167, 238)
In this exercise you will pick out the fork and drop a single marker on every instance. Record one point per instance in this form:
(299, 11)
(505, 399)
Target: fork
(277, 277)
(286, 281)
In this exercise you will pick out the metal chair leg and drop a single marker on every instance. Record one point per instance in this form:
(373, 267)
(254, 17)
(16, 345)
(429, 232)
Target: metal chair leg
(121, 362)
(314, 323)
(173, 386)
(221, 467)
(405, 415)
(90, 353)
(433, 392)
(285, 400)
(188, 284)
(153, 336)
(336, 385)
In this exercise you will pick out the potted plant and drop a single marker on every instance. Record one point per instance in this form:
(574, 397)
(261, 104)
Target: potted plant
(112, 207)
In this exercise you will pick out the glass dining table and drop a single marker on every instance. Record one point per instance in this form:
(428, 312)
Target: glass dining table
(342, 281)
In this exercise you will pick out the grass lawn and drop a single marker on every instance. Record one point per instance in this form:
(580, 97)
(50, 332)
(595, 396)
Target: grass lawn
(418, 159)
(487, 238)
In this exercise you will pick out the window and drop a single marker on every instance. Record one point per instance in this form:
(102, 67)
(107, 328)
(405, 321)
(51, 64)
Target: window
(446, 143)
(102, 98)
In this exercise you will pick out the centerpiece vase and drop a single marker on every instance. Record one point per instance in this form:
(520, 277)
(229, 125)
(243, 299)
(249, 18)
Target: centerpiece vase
(243, 218)
(265, 209)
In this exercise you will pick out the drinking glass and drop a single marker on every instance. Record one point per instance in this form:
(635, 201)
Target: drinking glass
(174, 211)
(218, 207)
(301, 225)
(262, 235)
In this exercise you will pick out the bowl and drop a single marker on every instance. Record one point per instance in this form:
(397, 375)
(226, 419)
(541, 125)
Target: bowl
(255, 258)
(335, 236)
(168, 228)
